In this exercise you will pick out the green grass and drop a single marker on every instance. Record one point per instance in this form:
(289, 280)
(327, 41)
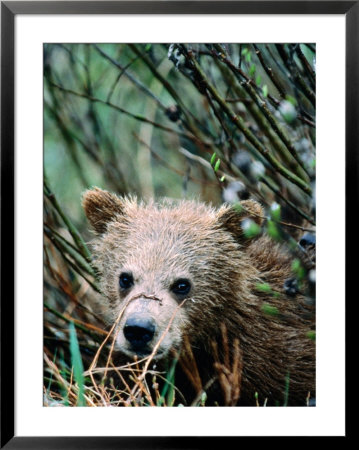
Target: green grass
(77, 365)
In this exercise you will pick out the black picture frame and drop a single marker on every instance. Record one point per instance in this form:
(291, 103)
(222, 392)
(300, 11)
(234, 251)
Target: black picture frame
(9, 10)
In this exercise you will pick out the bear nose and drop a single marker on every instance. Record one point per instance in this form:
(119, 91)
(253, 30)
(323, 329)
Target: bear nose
(139, 331)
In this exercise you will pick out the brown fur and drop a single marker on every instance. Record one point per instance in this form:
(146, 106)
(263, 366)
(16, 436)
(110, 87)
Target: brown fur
(161, 242)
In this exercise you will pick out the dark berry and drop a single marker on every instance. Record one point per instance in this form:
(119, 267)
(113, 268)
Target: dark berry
(291, 286)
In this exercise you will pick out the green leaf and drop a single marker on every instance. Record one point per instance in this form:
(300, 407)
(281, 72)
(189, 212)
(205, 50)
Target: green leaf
(77, 365)
(216, 167)
(298, 269)
(275, 212)
(311, 335)
(250, 228)
(291, 100)
(288, 111)
(273, 231)
(213, 157)
(252, 70)
(258, 80)
(265, 90)
(168, 390)
(263, 287)
(238, 207)
(223, 178)
(269, 309)
(203, 399)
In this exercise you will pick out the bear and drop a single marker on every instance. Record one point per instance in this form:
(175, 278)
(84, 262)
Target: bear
(189, 282)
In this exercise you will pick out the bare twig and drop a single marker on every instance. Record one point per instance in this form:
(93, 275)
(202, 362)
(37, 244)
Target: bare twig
(238, 121)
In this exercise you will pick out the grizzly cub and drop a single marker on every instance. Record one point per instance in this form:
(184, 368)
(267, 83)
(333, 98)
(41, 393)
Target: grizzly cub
(184, 271)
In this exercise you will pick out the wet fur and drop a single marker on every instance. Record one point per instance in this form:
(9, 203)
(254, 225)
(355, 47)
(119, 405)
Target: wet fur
(162, 241)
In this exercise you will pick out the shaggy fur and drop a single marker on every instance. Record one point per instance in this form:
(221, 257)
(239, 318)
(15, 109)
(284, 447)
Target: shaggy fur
(161, 242)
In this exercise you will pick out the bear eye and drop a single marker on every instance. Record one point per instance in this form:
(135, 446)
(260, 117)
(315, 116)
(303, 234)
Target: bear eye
(181, 286)
(126, 280)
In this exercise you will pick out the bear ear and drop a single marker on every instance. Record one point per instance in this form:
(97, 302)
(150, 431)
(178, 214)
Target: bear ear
(101, 207)
(236, 219)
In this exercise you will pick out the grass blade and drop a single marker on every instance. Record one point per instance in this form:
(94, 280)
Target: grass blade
(77, 365)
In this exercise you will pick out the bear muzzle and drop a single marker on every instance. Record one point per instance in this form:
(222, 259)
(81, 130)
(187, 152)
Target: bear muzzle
(139, 331)
(149, 325)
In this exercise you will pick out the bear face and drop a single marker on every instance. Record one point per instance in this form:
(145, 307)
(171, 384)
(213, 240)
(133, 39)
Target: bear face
(174, 273)
(161, 264)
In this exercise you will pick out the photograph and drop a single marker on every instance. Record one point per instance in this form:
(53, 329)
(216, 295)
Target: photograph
(176, 184)
(179, 220)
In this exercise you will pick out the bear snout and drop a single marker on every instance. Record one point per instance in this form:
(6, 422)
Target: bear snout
(139, 330)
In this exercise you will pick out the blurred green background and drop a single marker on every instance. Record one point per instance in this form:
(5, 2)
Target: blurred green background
(136, 119)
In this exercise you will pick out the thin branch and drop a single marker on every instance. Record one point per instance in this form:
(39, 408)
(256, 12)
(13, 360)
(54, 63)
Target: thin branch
(295, 74)
(127, 113)
(248, 86)
(306, 65)
(134, 80)
(172, 168)
(72, 229)
(278, 192)
(81, 326)
(238, 121)
(269, 71)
